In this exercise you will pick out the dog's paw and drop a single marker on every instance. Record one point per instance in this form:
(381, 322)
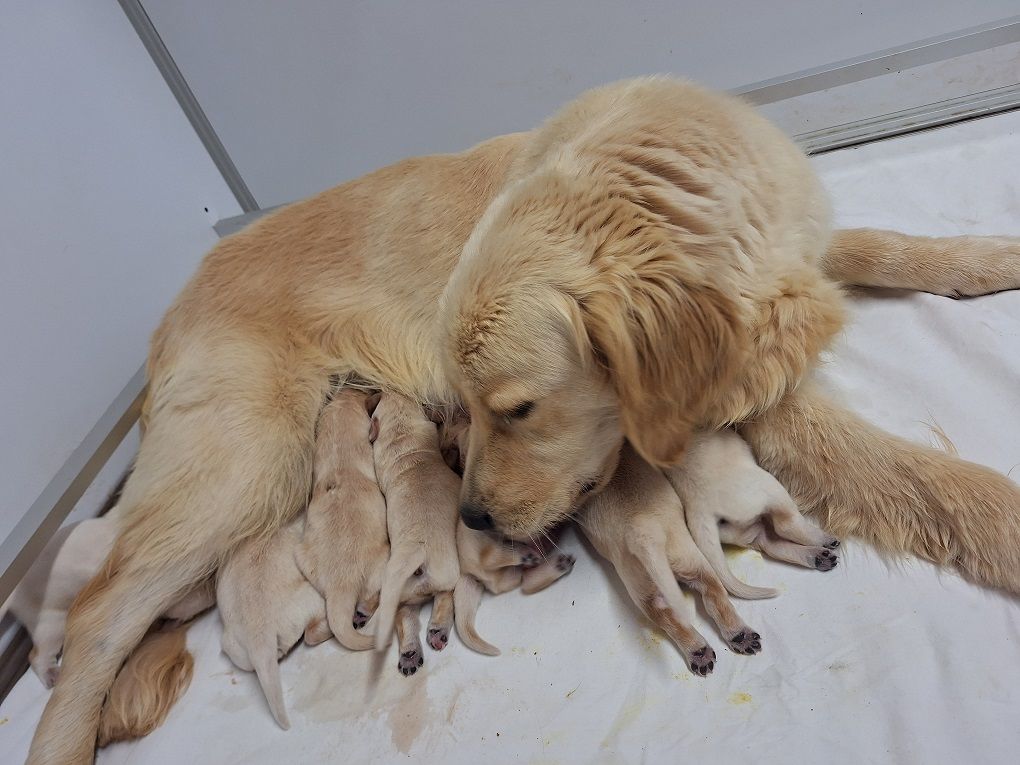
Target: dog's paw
(832, 544)
(703, 661)
(746, 642)
(825, 560)
(409, 662)
(50, 676)
(530, 559)
(438, 637)
(360, 619)
(565, 562)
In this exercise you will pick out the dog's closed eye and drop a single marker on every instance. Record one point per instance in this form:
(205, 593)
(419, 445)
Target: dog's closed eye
(520, 411)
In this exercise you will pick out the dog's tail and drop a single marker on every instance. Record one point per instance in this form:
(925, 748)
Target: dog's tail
(404, 561)
(900, 496)
(264, 661)
(155, 676)
(467, 595)
(706, 536)
(340, 606)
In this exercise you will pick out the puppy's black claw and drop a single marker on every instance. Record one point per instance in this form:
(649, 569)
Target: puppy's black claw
(832, 545)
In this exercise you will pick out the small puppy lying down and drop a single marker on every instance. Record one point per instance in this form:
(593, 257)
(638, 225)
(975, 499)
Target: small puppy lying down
(637, 523)
(488, 563)
(344, 548)
(421, 516)
(727, 498)
(491, 564)
(68, 561)
(266, 604)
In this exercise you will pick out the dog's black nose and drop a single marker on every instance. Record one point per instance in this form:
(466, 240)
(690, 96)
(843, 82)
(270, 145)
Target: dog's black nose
(476, 517)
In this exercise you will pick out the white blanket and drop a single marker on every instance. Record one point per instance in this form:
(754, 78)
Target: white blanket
(877, 661)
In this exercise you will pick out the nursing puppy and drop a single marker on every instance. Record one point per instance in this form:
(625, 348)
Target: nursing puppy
(487, 563)
(45, 594)
(344, 548)
(728, 498)
(69, 560)
(421, 516)
(266, 604)
(637, 523)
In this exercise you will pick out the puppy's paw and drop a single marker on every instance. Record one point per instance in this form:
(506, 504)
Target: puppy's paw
(409, 662)
(50, 676)
(703, 661)
(825, 560)
(438, 637)
(832, 544)
(746, 642)
(530, 559)
(565, 563)
(360, 619)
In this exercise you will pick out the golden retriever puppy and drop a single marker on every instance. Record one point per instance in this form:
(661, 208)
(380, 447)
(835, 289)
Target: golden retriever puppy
(69, 560)
(421, 517)
(266, 605)
(637, 524)
(654, 260)
(728, 498)
(489, 563)
(344, 548)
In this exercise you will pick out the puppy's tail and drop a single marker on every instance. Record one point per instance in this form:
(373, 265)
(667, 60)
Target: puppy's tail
(895, 494)
(706, 537)
(340, 608)
(267, 669)
(404, 561)
(466, 597)
(155, 676)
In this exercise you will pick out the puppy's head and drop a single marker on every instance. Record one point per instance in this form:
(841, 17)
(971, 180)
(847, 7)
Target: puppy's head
(572, 321)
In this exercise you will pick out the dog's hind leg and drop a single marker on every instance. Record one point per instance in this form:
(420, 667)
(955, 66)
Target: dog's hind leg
(409, 641)
(226, 455)
(956, 266)
(441, 621)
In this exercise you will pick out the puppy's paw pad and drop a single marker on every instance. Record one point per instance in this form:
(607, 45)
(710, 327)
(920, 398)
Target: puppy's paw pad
(360, 620)
(825, 560)
(530, 559)
(565, 562)
(702, 661)
(438, 637)
(409, 662)
(746, 642)
(832, 544)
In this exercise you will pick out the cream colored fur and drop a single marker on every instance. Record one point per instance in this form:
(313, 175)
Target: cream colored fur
(344, 546)
(654, 260)
(266, 606)
(728, 498)
(637, 523)
(421, 517)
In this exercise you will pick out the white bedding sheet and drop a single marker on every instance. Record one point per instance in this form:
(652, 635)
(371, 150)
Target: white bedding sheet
(877, 661)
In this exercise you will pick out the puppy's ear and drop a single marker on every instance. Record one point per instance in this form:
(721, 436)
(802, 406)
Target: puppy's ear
(670, 342)
(373, 430)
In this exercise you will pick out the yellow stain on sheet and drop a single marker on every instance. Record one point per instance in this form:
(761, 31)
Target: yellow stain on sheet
(739, 698)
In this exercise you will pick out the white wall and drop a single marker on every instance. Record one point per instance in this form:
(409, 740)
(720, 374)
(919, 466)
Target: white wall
(103, 195)
(308, 93)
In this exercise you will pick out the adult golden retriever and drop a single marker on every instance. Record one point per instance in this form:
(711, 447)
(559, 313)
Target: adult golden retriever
(653, 260)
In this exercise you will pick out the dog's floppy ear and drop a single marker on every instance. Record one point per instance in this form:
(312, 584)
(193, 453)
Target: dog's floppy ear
(670, 341)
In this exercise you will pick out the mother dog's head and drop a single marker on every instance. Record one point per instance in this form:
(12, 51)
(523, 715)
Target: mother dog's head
(574, 319)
